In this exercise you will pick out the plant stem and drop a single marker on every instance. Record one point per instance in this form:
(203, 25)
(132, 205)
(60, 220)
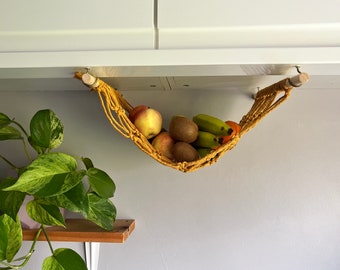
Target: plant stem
(9, 163)
(23, 141)
(47, 238)
(26, 151)
(25, 258)
(34, 242)
(21, 127)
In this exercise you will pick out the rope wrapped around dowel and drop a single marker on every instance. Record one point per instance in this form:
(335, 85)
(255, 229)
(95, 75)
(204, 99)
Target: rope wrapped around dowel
(117, 109)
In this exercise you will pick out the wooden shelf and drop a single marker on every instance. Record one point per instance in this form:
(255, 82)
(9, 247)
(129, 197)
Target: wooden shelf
(80, 230)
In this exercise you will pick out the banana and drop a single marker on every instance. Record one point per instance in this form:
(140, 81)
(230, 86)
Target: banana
(203, 151)
(212, 124)
(206, 140)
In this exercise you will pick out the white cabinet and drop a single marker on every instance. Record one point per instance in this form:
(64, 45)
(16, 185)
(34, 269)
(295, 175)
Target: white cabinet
(76, 25)
(42, 42)
(245, 23)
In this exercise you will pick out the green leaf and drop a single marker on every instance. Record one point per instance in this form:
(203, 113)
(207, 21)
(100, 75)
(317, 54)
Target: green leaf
(64, 259)
(74, 200)
(40, 150)
(46, 129)
(3, 238)
(4, 120)
(51, 263)
(102, 211)
(10, 133)
(10, 201)
(88, 163)
(15, 239)
(11, 237)
(101, 183)
(44, 213)
(49, 175)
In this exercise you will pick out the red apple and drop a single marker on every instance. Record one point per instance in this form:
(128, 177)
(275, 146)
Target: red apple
(164, 143)
(147, 120)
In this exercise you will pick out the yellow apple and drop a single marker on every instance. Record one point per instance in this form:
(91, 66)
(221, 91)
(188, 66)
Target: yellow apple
(147, 120)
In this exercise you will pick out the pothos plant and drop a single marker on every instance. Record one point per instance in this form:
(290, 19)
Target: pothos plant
(53, 180)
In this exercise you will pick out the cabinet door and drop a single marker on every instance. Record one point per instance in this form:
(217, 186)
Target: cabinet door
(246, 23)
(64, 25)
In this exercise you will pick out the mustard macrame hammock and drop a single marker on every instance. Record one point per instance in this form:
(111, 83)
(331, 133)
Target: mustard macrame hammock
(116, 109)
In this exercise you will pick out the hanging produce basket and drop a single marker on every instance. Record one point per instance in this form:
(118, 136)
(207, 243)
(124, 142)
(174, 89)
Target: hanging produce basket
(117, 109)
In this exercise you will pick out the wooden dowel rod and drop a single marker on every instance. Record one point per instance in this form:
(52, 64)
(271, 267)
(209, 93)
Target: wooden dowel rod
(298, 80)
(90, 80)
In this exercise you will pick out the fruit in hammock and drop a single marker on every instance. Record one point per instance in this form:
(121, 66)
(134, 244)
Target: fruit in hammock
(203, 151)
(234, 126)
(212, 124)
(183, 151)
(164, 143)
(236, 129)
(206, 140)
(147, 120)
(136, 110)
(183, 129)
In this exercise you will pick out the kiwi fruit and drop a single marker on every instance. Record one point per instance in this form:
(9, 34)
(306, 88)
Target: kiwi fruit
(183, 129)
(183, 151)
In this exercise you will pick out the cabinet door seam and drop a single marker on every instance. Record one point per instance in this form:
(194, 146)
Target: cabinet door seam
(155, 24)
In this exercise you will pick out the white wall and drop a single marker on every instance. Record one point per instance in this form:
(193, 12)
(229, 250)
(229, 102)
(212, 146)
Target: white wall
(271, 203)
